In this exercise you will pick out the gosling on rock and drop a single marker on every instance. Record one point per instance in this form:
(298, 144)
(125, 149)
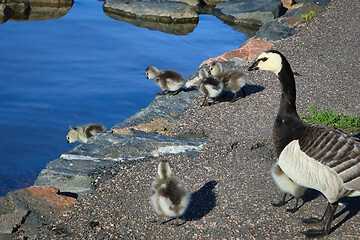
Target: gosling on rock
(83, 133)
(209, 85)
(169, 196)
(233, 80)
(169, 81)
(317, 157)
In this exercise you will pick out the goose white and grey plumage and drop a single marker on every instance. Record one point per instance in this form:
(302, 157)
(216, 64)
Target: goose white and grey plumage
(167, 80)
(169, 196)
(312, 156)
(233, 80)
(209, 85)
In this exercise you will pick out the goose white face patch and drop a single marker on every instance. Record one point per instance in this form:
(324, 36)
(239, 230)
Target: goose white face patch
(269, 61)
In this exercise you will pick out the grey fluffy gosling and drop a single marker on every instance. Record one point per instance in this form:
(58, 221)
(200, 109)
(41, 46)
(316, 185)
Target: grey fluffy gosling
(312, 156)
(287, 186)
(167, 80)
(169, 197)
(233, 80)
(83, 133)
(210, 86)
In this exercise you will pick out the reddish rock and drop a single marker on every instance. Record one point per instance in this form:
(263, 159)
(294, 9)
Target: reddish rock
(51, 195)
(247, 52)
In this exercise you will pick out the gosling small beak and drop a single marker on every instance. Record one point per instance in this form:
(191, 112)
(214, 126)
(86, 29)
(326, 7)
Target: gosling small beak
(253, 66)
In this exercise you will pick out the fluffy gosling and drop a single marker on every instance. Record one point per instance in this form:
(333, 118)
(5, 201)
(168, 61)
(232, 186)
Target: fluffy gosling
(210, 86)
(83, 133)
(287, 186)
(169, 197)
(167, 80)
(233, 80)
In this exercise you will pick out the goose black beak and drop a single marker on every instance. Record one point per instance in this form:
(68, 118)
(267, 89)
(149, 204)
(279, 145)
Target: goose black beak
(253, 66)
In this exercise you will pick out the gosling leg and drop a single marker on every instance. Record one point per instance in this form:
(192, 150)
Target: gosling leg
(282, 202)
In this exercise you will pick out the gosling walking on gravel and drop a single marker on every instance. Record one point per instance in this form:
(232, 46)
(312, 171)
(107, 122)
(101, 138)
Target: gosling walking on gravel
(169, 197)
(210, 86)
(233, 80)
(167, 80)
(83, 133)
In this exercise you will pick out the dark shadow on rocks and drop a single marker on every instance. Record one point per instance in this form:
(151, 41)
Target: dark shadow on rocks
(352, 206)
(68, 194)
(201, 203)
(249, 89)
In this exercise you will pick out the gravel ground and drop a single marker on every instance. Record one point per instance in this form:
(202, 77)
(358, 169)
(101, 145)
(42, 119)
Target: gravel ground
(230, 182)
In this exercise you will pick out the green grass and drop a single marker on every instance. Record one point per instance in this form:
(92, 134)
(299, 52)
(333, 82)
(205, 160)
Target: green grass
(338, 120)
(309, 16)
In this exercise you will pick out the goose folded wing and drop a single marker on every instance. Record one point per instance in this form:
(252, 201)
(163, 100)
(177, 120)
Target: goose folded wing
(335, 149)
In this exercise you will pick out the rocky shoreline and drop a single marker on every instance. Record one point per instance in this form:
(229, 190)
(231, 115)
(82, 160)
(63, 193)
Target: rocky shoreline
(160, 130)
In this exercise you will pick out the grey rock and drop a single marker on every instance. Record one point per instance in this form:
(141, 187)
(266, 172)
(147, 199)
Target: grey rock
(71, 172)
(192, 3)
(275, 30)
(165, 107)
(164, 11)
(321, 3)
(285, 25)
(251, 13)
(9, 221)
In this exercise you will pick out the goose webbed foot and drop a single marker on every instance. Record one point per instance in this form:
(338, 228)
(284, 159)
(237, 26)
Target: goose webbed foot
(325, 222)
(315, 233)
(175, 92)
(294, 209)
(161, 93)
(313, 221)
(281, 203)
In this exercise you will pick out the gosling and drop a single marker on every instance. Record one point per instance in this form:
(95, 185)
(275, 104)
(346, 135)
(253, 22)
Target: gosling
(287, 186)
(233, 80)
(169, 197)
(83, 133)
(169, 81)
(210, 86)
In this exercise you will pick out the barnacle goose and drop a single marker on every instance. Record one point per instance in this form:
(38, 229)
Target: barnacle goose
(169, 197)
(233, 80)
(209, 85)
(167, 80)
(312, 156)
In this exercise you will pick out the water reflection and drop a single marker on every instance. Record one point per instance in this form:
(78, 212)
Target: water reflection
(33, 10)
(173, 28)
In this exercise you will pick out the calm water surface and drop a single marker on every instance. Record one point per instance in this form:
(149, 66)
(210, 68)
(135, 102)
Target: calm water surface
(84, 67)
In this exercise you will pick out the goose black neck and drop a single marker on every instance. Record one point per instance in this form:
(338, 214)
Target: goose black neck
(288, 96)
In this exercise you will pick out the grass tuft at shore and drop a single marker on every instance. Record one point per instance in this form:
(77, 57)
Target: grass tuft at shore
(338, 119)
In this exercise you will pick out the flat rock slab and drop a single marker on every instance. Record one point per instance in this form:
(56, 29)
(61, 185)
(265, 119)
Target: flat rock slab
(163, 11)
(72, 171)
(251, 13)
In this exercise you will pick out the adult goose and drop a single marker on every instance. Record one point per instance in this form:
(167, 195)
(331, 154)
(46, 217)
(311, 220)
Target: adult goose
(312, 156)
(169, 81)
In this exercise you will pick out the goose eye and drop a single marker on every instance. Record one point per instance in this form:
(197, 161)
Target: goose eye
(264, 59)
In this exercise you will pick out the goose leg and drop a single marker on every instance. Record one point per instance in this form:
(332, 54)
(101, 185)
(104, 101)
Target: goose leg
(205, 102)
(325, 221)
(294, 209)
(281, 202)
(162, 93)
(175, 92)
(234, 97)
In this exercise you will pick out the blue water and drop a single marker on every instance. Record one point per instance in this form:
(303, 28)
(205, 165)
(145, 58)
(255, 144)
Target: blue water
(84, 67)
